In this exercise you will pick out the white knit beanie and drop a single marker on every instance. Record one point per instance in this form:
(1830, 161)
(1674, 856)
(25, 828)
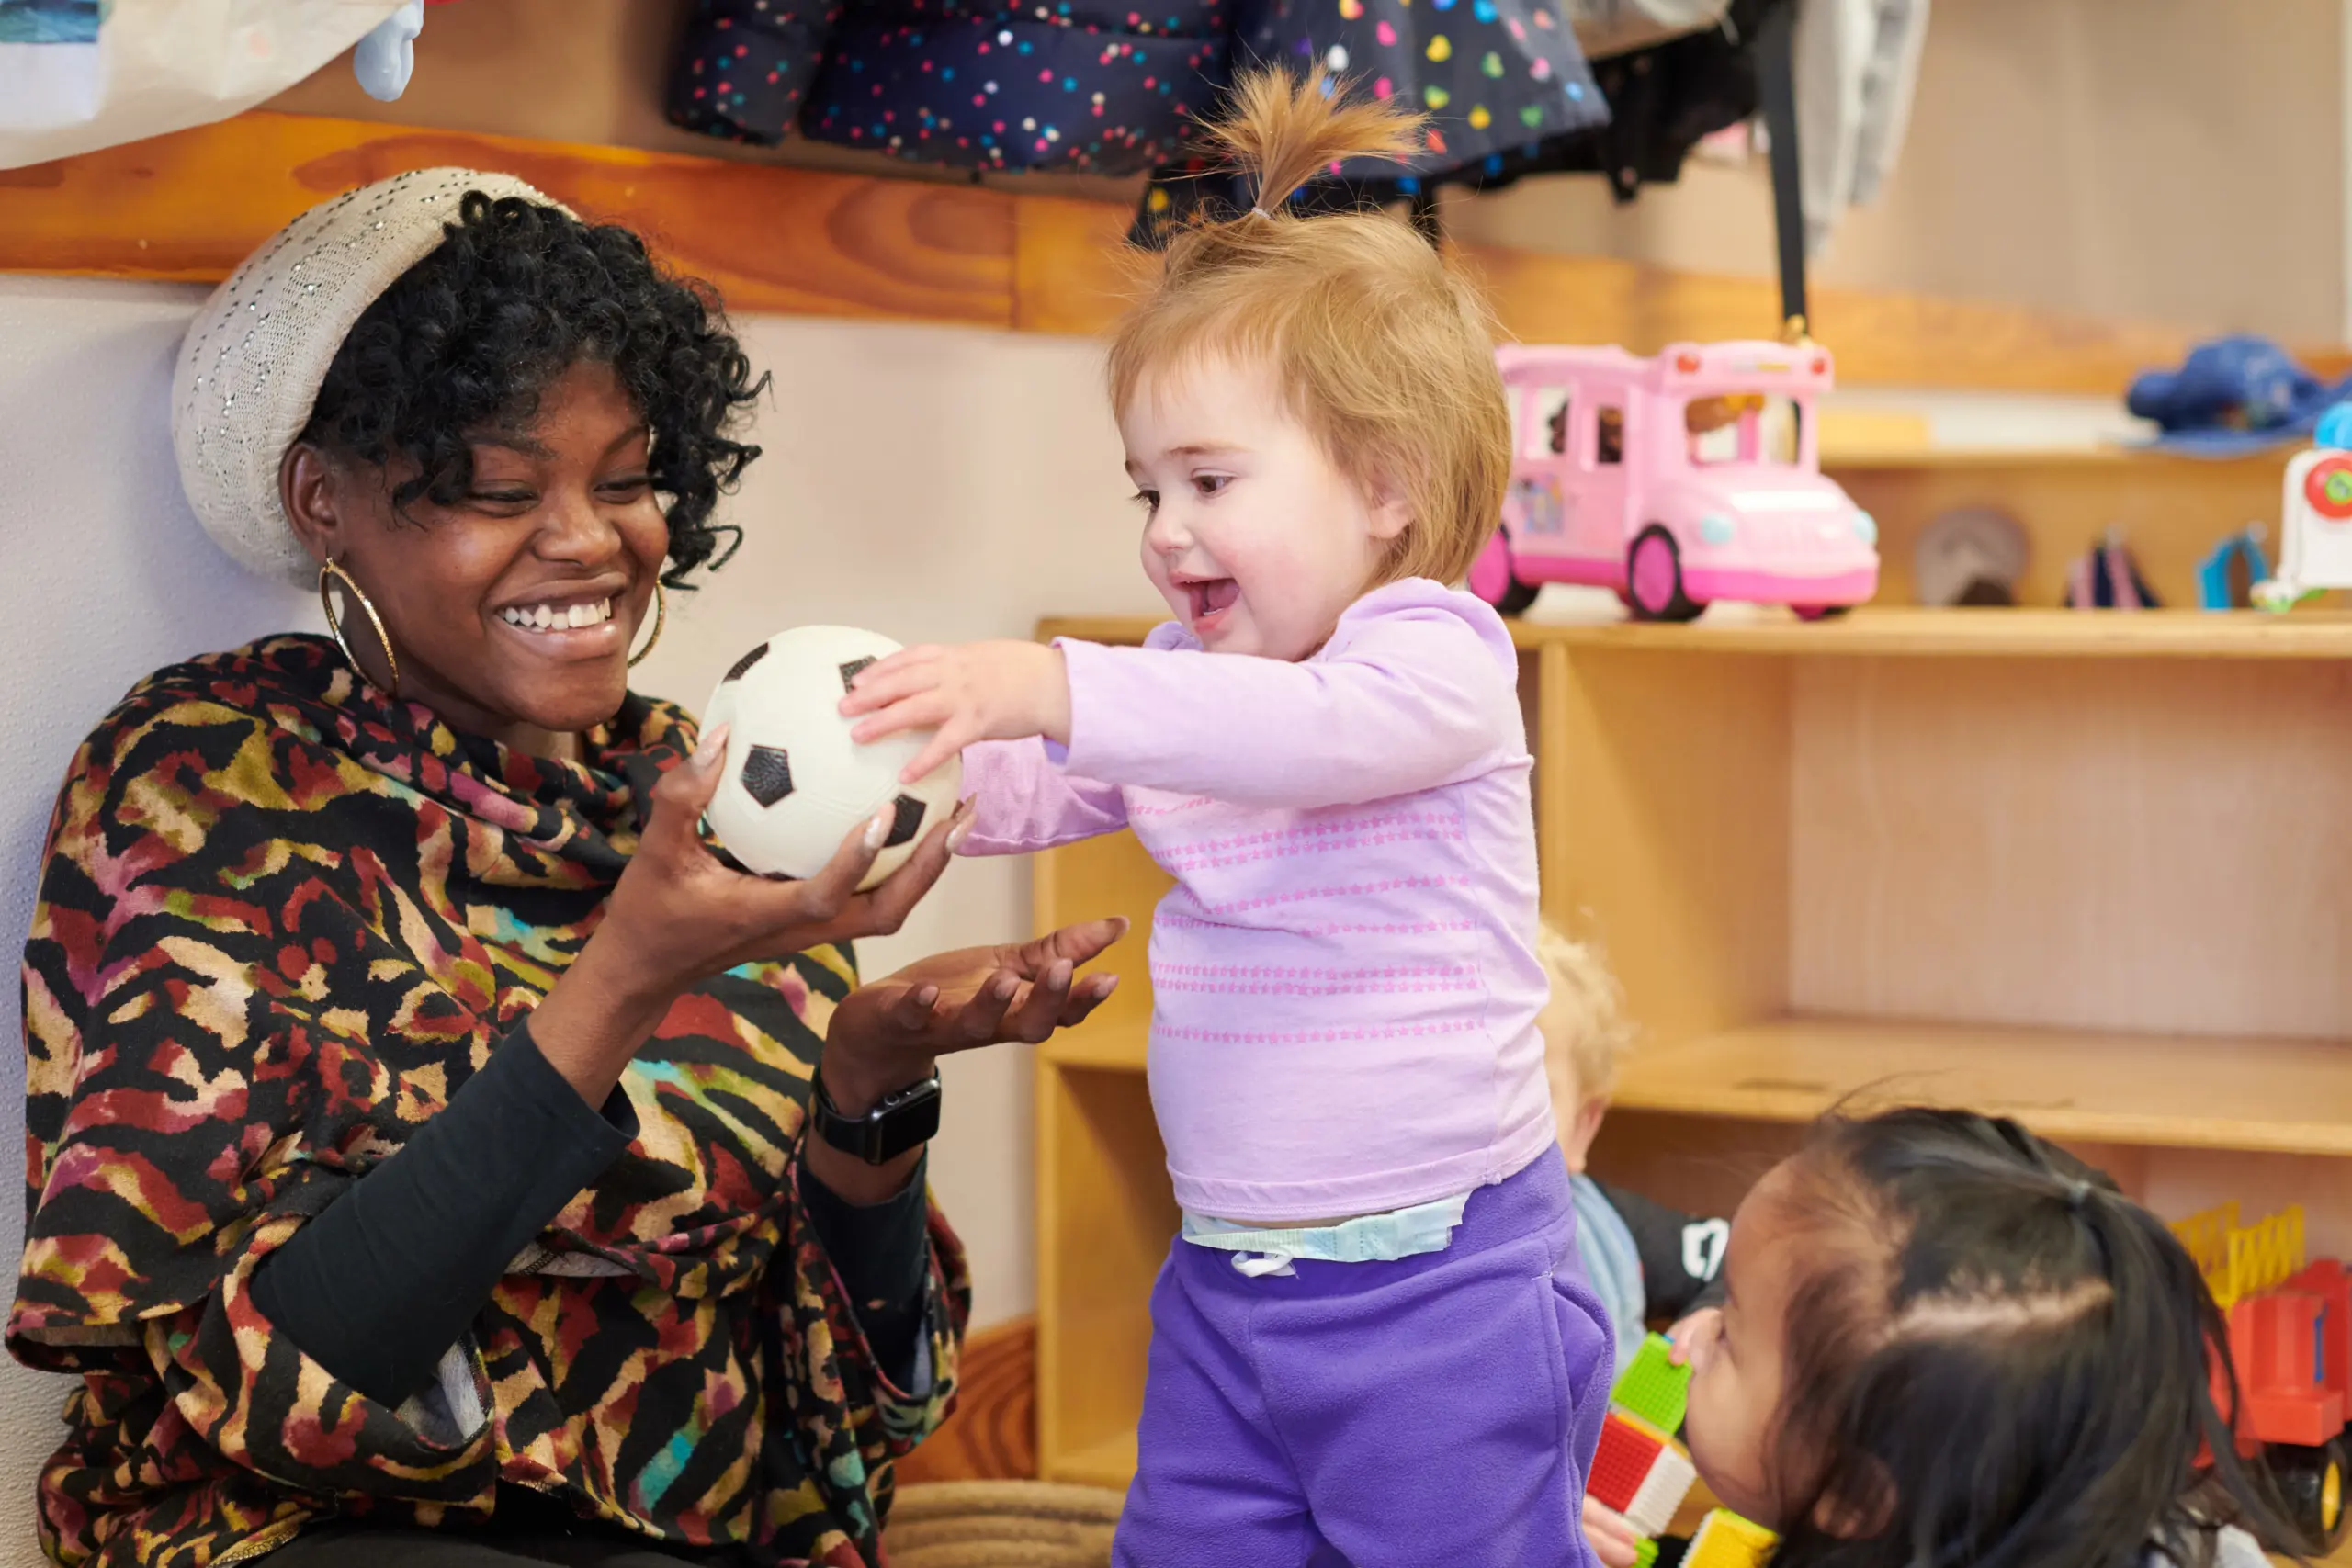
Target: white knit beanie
(255, 357)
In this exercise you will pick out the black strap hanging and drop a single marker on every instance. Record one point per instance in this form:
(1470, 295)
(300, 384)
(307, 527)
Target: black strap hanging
(1776, 86)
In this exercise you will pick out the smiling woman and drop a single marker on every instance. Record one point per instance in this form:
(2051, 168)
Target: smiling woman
(439, 1156)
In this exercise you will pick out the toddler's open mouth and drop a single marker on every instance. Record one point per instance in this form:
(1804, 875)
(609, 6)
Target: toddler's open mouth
(1210, 596)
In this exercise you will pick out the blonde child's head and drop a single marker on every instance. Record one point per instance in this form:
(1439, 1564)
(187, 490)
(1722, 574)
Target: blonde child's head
(1310, 405)
(1585, 1036)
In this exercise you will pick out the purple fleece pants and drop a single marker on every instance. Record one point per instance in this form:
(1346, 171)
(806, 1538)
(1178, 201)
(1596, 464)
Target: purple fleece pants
(1439, 1409)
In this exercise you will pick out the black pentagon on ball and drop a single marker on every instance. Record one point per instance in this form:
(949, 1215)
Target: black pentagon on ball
(851, 670)
(736, 670)
(767, 774)
(906, 821)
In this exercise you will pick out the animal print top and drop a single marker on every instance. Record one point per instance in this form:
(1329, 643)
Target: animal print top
(280, 921)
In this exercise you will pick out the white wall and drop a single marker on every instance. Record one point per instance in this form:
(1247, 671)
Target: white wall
(2175, 161)
(928, 482)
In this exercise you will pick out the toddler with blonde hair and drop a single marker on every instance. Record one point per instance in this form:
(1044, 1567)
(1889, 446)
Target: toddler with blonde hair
(1374, 1343)
(1647, 1262)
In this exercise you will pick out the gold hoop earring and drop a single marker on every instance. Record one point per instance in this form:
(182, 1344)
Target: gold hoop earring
(326, 601)
(660, 614)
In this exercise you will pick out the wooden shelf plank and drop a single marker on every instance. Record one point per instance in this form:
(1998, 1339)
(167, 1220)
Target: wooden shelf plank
(1907, 632)
(1110, 1462)
(1110, 1048)
(2181, 1091)
(2093, 458)
(189, 206)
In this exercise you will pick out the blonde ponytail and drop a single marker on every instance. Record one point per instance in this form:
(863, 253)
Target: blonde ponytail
(1280, 131)
(1379, 347)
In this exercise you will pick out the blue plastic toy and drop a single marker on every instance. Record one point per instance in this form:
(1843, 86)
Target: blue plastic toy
(2231, 395)
(2226, 576)
(386, 58)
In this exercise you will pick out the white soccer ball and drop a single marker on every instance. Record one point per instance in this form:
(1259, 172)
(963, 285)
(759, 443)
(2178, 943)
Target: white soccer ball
(794, 783)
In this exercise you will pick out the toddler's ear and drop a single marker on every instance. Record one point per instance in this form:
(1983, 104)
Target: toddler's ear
(1576, 1137)
(1392, 512)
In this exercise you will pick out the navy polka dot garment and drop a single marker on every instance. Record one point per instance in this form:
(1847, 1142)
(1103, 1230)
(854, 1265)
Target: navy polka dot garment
(1098, 86)
(1662, 100)
(1087, 86)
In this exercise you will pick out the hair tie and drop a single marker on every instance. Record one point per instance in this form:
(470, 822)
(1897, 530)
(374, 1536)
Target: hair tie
(2078, 1192)
(1259, 213)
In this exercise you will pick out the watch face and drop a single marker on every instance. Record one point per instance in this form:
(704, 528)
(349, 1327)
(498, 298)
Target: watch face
(900, 1122)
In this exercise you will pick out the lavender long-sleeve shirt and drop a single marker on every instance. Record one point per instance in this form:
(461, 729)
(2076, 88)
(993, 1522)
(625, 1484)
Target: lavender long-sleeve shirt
(1344, 980)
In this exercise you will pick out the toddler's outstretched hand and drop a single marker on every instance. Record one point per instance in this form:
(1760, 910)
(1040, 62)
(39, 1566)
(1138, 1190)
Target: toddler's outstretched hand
(973, 690)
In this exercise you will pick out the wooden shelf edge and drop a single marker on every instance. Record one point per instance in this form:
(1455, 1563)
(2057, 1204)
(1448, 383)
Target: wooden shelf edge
(799, 240)
(1109, 1463)
(1910, 632)
(2253, 1095)
(1988, 458)
(1105, 1048)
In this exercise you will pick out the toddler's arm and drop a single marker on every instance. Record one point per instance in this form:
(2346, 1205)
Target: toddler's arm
(1022, 802)
(1411, 693)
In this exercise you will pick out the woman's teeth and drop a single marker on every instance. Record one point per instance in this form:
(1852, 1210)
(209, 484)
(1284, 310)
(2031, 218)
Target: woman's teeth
(557, 617)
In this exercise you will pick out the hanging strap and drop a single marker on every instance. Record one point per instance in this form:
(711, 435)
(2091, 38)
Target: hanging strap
(1776, 87)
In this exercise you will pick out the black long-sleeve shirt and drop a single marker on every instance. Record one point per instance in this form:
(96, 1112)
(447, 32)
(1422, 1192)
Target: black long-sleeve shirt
(387, 1278)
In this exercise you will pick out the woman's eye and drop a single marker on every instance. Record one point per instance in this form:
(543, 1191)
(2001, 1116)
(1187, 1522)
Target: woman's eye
(501, 497)
(628, 489)
(1209, 484)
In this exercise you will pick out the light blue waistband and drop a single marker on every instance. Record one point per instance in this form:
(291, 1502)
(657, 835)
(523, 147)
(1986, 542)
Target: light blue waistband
(1368, 1238)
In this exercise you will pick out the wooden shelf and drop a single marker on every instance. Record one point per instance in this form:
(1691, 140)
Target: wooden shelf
(2178, 1090)
(1913, 633)
(808, 240)
(1099, 1047)
(1110, 1462)
(2181, 1091)
(2094, 457)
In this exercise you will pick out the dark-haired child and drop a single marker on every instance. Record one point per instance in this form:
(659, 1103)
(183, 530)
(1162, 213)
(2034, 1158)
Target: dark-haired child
(1945, 1342)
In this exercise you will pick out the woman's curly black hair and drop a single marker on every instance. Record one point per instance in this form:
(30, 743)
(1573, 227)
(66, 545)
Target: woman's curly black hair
(468, 339)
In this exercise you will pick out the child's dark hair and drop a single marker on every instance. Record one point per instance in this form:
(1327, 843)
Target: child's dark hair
(1997, 1362)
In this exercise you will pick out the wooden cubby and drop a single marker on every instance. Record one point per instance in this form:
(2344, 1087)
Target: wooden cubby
(2085, 869)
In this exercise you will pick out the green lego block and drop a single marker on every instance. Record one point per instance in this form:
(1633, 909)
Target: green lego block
(1644, 1553)
(1652, 1387)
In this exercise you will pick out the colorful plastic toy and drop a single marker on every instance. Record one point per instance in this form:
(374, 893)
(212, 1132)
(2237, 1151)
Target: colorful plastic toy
(2314, 517)
(1652, 1386)
(2290, 1333)
(1642, 1472)
(1726, 1540)
(2227, 575)
(1660, 479)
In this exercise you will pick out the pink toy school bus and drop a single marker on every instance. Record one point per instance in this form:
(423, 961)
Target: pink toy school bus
(1676, 481)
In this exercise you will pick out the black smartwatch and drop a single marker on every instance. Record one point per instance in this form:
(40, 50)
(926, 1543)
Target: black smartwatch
(899, 1120)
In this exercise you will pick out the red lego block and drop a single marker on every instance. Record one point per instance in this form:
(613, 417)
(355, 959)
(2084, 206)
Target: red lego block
(1622, 1462)
(2277, 1340)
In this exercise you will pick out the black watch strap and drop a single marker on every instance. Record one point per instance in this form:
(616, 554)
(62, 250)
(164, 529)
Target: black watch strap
(899, 1120)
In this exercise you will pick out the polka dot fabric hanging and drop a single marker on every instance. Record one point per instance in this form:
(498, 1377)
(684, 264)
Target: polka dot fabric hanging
(1491, 75)
(1661, 100)
(1098, 86)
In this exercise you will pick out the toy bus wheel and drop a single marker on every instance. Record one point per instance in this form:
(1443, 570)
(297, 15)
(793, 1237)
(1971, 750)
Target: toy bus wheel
(1654, 579)
(1492, 579)
(2311, 1482)
(1819, 612)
